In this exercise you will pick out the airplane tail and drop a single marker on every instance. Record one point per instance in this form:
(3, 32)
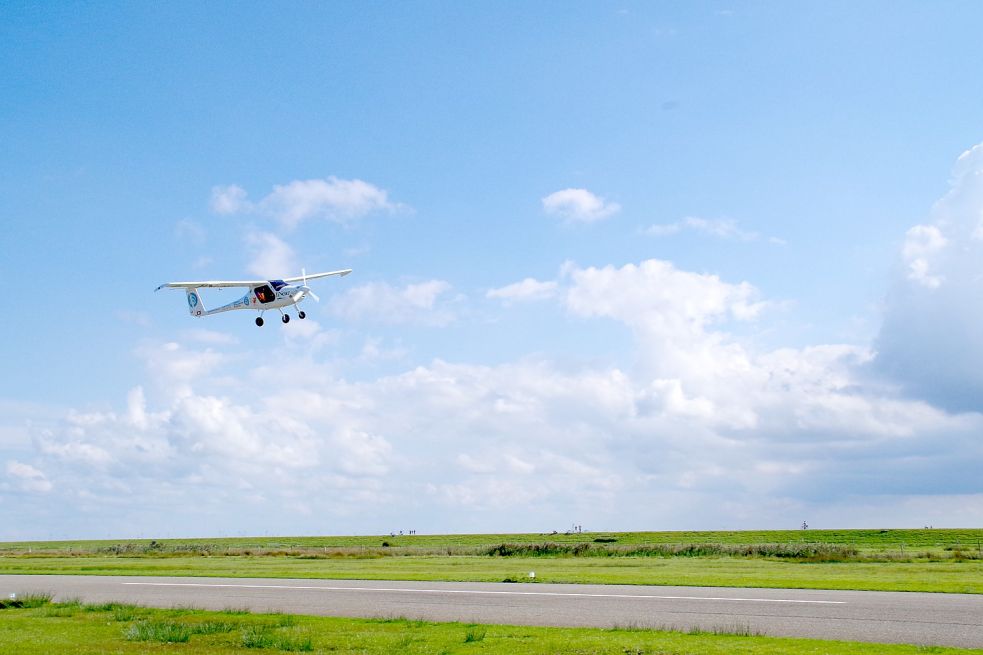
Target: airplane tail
(195, 306)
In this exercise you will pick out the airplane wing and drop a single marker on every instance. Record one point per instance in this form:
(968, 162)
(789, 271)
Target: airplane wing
(314, 276)
(220, 284)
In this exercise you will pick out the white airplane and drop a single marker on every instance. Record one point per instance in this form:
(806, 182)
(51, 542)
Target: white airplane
(261, 295)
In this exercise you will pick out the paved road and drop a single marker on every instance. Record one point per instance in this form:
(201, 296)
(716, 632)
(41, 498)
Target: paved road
(936, 619)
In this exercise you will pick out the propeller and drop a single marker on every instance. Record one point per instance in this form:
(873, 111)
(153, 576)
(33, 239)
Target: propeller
(307, 289)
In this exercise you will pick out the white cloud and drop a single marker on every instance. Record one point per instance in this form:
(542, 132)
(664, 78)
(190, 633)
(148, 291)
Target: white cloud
(930, 341)
(231, 199)
(721, 228)
(703, 430)
(579, 206)
(175, 367)
(528, 289)
(699, 427)
(379, 302)
(211, 337)
(373, 350)
(27, 477)
(310, 335)
(270, 256)
(361, 453)
(923, 242)
(656, 295)
(76, 451)
(332, 199)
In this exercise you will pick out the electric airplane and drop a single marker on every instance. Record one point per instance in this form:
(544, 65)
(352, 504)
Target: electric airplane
(261, 295)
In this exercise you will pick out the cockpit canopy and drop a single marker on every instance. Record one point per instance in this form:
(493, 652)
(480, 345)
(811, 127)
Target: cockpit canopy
(277, 284)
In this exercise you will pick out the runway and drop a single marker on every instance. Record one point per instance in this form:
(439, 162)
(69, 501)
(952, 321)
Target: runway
(887, 617)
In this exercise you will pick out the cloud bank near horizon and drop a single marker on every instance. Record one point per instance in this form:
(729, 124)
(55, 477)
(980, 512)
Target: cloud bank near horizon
(704, 428)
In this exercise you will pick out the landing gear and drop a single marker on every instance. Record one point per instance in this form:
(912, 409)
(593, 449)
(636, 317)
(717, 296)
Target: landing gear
(259, 321)
(301, 315)
(286, 318)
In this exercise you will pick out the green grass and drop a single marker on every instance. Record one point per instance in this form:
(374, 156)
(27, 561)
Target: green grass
(883, 560)
(91, 629)
(936, 576)
(26, 601)
(165, 632)
(870, 542)
(267, 636)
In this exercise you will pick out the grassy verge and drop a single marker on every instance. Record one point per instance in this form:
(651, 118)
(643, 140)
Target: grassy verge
(940, 576)
(881, 560)
(115, 628)
(884, 543)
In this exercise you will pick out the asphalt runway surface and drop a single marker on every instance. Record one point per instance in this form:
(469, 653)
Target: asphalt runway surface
(885, 617)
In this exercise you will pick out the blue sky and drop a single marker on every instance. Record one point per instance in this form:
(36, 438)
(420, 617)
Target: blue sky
(626, 265)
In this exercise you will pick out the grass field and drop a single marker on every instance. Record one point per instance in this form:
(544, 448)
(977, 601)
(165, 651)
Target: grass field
(870, 543)
(881, 560)
(114, 628)
(942, 576)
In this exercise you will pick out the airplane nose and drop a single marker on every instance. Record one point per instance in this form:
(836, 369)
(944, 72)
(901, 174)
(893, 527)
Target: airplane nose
(307, 292)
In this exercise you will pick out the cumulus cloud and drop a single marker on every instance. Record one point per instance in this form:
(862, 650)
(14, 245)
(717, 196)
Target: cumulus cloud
(930, 341)
(528, 289)
(579, 206)
(231, 199)
(464, 446)
(699, 427)
(173, 366)
(333, 199)
(270, 256)
(423, 303)
(922, 243)
(27, 478)
(720, 228)
(671, 312)
(213, 337)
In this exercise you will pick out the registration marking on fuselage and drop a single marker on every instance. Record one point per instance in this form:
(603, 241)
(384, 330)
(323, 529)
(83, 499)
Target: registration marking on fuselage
(486, 592)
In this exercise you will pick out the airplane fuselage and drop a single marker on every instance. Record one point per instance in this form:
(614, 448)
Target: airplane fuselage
(260, 295)
(263, 297)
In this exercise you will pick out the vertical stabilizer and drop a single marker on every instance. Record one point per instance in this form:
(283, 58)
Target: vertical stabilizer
(195, 305)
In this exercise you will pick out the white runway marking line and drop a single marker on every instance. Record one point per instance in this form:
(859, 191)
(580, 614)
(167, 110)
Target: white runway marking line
(574, 594)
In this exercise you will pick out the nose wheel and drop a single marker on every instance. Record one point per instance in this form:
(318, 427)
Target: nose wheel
(301, 315)
(259, 321)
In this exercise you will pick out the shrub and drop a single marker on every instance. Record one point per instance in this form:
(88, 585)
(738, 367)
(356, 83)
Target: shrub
(800, 551)
(474, 634)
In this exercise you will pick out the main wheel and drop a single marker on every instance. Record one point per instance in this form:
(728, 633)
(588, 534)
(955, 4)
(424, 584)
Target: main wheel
(286, 318)
(259, 321)
(301, 315)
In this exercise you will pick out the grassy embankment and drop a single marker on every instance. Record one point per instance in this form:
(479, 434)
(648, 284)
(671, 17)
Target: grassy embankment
(43, 627)
(886, 560)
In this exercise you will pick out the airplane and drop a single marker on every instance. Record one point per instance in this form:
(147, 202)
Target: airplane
(261, 295)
